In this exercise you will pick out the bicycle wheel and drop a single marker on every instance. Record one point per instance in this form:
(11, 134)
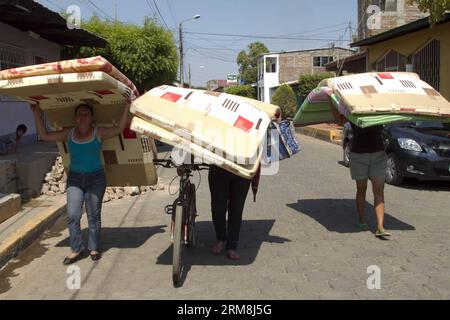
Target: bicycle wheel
(178, 239)
(191, 239)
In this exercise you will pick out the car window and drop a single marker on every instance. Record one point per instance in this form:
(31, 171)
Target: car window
(430, 125)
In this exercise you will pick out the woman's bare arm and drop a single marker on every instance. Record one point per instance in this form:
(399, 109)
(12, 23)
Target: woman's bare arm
(57, 136)
(108, 133)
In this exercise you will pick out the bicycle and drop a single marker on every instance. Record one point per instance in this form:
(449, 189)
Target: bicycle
(183, 212)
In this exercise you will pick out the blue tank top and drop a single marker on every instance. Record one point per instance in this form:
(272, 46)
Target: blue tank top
(85, 156)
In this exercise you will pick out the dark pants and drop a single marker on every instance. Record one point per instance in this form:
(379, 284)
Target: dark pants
(228, 191)
(85, 188)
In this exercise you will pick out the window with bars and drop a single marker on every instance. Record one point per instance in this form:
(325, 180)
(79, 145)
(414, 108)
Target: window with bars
(11, 57)
(426, 63)
(392, 61)
(40, 60)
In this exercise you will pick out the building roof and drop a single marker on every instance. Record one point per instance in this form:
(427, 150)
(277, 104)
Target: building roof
(28, 15)
(356, 57)
(307, 50)
(397, 32)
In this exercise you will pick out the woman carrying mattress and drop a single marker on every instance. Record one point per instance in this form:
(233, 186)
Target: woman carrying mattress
(86, 181)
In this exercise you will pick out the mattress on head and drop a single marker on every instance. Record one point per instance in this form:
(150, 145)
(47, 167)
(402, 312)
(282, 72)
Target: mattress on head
(201, 155)
(387, 92)
(68, 90)
(69, 66)
(215, 120)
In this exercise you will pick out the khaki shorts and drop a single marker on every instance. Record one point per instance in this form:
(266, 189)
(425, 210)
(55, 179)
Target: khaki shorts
(367, 165)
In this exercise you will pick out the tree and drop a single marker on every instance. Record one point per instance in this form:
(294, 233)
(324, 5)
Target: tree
(146, 54)
(436, 8)
(285, 98)
(248, 62)
(309, 82)
(243, 91)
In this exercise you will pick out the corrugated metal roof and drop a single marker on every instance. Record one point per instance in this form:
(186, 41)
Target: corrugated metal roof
(28, 15)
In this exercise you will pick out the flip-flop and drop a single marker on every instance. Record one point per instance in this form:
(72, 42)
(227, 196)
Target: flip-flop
(382, 234)
(364, 227)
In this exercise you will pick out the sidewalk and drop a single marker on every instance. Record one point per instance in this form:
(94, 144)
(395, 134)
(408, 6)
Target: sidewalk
(22, 229)
(327, 132)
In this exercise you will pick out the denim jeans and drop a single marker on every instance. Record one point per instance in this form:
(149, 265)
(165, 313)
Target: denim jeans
(85, 188)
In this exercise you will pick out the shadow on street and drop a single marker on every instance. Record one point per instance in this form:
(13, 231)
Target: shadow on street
(340, 215)
(253, 234)
(122, 238)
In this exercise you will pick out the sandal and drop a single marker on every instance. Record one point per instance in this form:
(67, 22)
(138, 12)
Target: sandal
(96, 256)
(233, 255)
(364, 227)
(68, 261)
(381, 233)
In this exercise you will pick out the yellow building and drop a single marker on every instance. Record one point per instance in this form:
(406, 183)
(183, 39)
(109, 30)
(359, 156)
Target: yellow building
(413, 47)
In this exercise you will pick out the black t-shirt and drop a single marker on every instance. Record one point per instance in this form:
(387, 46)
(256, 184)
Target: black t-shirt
(367, 140)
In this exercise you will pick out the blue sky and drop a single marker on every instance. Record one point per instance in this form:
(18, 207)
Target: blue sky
(214, 56)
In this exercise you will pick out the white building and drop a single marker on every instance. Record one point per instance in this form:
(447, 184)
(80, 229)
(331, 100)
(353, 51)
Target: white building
(275, 69)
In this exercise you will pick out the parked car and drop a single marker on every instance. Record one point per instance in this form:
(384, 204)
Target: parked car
(418, 150)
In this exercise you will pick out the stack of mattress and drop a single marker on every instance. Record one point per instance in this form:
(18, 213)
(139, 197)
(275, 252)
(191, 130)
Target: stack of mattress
(371, 99)
(217, 128)
(61, 86)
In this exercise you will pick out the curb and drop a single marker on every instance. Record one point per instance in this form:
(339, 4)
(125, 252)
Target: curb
(26, 234)
(329, 135)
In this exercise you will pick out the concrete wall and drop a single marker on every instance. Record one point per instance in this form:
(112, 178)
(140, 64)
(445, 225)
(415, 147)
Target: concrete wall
(13, 113)
(411, 43)
(8, 183)
(292, 65)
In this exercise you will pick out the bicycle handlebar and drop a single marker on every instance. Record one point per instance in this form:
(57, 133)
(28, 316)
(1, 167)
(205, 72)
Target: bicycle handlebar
(168, 163)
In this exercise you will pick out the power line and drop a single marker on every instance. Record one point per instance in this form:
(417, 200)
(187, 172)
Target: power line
(153, 11)
(172, 12)
(100, 9)
(161, 15)
(258, 36)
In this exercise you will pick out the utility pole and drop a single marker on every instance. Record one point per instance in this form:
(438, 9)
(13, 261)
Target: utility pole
(115, 11)
(189, 75)
(197, 16)
(351, 32)
(181, 57)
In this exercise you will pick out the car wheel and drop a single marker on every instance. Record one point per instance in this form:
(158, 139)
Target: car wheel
(393, 175)
(346, 156)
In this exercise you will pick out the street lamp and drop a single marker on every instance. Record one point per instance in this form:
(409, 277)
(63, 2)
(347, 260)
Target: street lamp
(197, 16)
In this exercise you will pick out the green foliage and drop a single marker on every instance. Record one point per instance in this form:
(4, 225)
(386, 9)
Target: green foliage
(436, 8)
(248, 62)
(243, 91)
(146, 54)
(285, 98)
(308, 83)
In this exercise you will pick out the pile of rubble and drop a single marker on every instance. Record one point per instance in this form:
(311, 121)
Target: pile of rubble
(56, 183)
